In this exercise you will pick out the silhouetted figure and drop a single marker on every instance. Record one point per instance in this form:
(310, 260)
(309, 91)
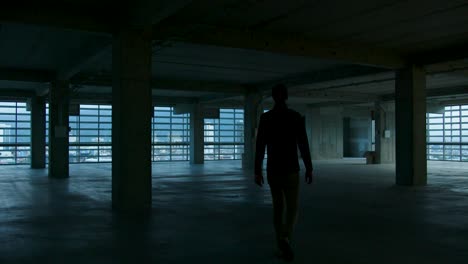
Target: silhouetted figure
(282, 131)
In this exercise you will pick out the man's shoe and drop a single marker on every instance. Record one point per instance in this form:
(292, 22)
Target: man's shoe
(286, 249)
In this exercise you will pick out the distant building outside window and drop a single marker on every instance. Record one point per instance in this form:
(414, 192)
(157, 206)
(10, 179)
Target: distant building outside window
(170, 135)
(447, 134)
(15, 133)
(224, 137)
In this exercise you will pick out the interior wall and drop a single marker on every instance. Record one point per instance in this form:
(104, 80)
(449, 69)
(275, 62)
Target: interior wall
(387, 115)
(356, 136)
(325, 132)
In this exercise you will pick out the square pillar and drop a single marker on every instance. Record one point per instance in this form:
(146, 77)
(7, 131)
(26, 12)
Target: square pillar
(131, 120)
(38, 127)
(378, 132)
(385, 132)
(314, 128)
(410, 100)
(197, 135)
(252, 112)
(308, 123)
(58, 129)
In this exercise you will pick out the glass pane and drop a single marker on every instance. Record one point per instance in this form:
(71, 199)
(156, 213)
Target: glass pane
(227, 130)
(15, 133)
(450, 130)
(168, 131)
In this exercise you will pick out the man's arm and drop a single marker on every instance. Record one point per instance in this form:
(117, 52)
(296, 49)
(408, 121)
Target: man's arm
(303, 144)
(260, 147)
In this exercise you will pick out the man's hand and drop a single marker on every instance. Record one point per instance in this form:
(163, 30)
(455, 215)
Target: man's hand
(259, 180)
(308, 177)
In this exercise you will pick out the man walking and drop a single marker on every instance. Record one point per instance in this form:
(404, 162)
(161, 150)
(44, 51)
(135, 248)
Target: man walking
(282, 131)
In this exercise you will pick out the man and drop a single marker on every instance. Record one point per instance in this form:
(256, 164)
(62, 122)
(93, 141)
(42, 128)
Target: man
(282, 131)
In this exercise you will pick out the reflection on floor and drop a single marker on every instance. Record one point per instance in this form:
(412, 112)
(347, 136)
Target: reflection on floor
(213, 213)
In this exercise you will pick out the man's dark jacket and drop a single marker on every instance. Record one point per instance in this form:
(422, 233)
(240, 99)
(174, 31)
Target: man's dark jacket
(282, 131)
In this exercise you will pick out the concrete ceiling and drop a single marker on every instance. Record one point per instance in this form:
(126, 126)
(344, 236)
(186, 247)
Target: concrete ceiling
(326, 51)
(178, 60)
(45, 48)
(406, 26)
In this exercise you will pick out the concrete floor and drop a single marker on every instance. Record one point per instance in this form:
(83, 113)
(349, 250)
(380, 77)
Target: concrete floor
(213, 213)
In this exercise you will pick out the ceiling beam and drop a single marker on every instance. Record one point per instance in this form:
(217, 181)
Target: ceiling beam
(169, 100)
(437, 92)
(451, 53)
(198, 86)
(167, 84)
(326, 86)
(98, 98)
(448, 91)
(217, 99)
(226, 104)
(337, 96)
(89, 53)
(75, 16)
(150, 12)
(102, 17)
(42, 91)
(16, 94)
(332, 74)
(333, 103)
(289, 44)
(107, 98)
(26, 75)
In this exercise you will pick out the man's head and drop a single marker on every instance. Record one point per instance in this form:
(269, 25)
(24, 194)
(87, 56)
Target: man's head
(279, 93)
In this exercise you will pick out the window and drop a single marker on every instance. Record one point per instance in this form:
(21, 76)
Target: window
(91, 134)
(15, 133)
(224, 137)
(447, 134)
(373, 135)
(90, 137)
(170, 135)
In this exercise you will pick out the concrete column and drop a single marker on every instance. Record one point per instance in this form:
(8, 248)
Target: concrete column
(252, 112)
(385, 130)
(131, 120)
(313, 125)
(411, 164)
(197, 136)
(378, 131)
(58, 129)
(309, 119)
(347, 146)
(38, 127)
